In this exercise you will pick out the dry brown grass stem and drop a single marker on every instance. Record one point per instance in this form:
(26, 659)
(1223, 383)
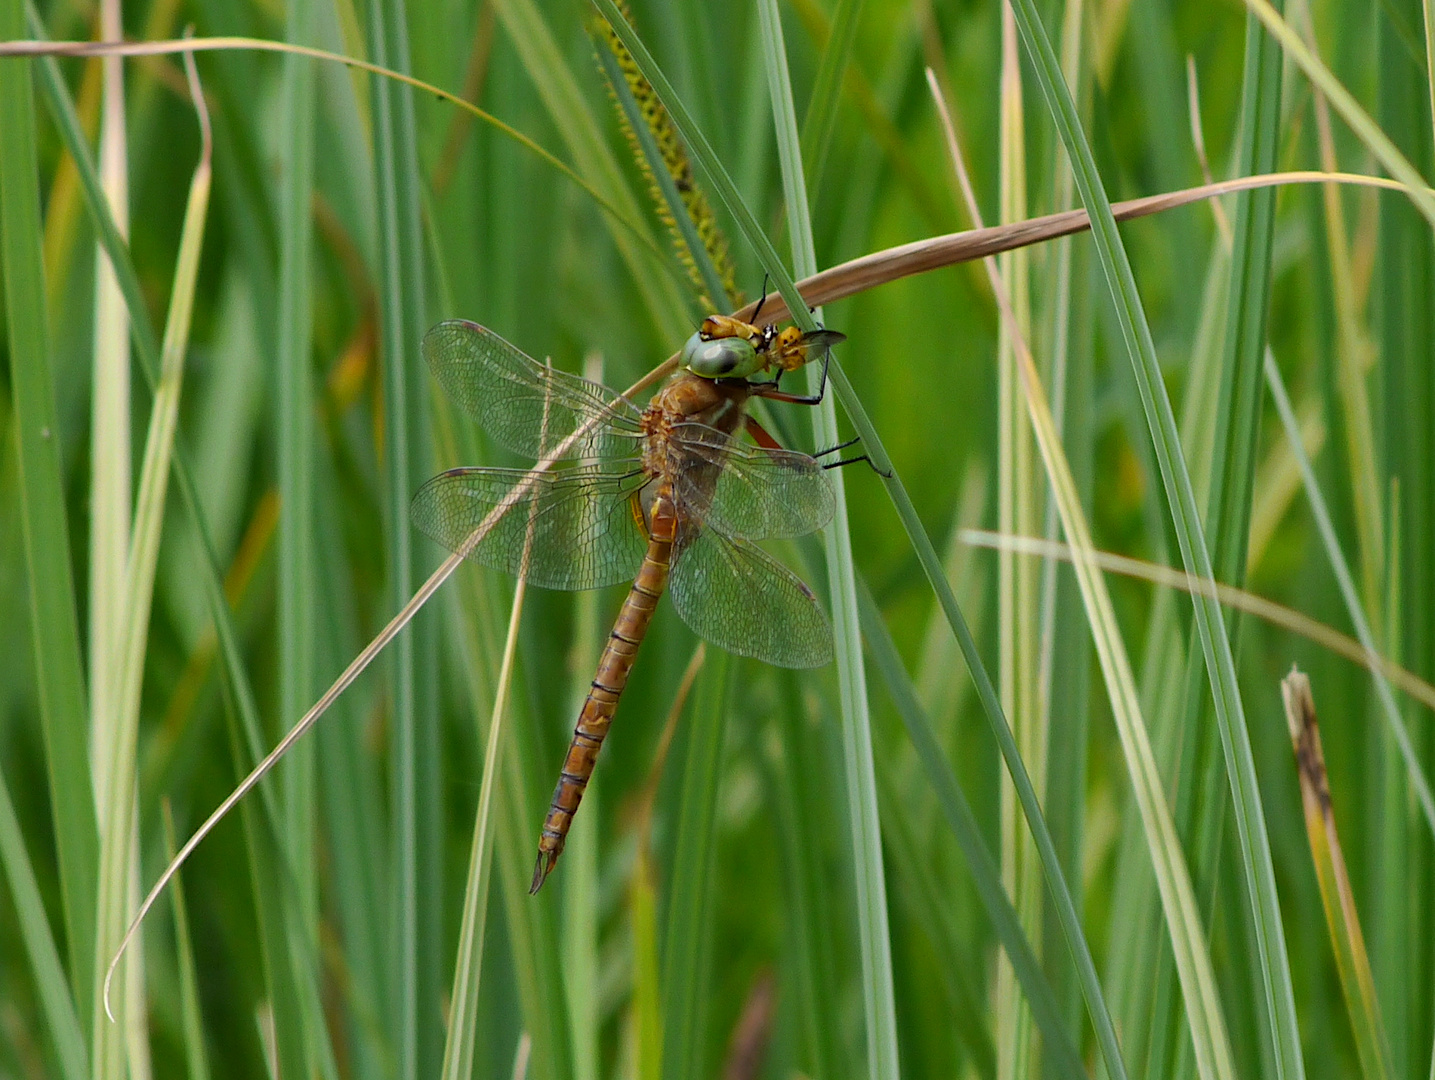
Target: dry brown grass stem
(880, 267)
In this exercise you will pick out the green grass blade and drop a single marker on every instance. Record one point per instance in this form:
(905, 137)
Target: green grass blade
(417, 909)
(1240, 765)
(722, 185)
(59, 1010)
(1238, 407)
(1346, 582)
(687, 937)
(1061, 1055)
(298, 587)
(801, 775)
(879, 996)
(821, 116)
(54, 623)
(1237, 412)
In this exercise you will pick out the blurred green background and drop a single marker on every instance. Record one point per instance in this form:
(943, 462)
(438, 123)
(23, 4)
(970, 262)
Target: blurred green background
(706, 919)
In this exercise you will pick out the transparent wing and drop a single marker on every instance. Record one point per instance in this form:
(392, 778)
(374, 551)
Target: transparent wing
(570, 529)
(816, 344)
(735, 595)
(526, 406)
(747, 490)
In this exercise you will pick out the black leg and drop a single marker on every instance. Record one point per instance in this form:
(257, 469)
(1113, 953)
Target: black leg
(854, 461)
(770, 391)
(761, 299)
(839, 446)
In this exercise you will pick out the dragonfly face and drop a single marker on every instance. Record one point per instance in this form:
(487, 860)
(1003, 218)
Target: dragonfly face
(703, 499)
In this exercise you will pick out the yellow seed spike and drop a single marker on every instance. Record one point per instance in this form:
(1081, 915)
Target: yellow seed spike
(675, 160)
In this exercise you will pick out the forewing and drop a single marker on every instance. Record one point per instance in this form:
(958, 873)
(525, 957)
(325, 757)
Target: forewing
(818, 343)
(526, 406)
(735, 595)
(747, 490)
(568, 529)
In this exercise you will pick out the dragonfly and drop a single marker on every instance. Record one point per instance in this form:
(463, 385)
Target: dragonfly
(668, 498)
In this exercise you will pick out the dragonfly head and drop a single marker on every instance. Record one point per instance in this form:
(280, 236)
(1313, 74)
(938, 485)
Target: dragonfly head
(721, 357)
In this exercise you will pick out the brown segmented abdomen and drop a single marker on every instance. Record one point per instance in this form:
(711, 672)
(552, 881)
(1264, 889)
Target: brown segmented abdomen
(613, 668)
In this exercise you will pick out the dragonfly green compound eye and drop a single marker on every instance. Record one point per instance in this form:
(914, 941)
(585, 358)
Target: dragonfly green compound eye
(720, 358)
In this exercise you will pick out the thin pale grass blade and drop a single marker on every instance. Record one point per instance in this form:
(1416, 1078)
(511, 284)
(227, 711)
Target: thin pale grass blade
(1267, 610)
(1336, 894)
(54, 622)
(118, 834)
(110, 486)
(61, 1022)
(191, 1019)
(1017, 616)
(110, 446)
(1366, 130)
(879, 995)
(1062, 1056)
(459, 1047)
(1278, 481)
(1427, 12)
(1273, 961)
(1331, 542)
(1208, 1031)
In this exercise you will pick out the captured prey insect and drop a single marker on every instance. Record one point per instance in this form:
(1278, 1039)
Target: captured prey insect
(666, 498)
